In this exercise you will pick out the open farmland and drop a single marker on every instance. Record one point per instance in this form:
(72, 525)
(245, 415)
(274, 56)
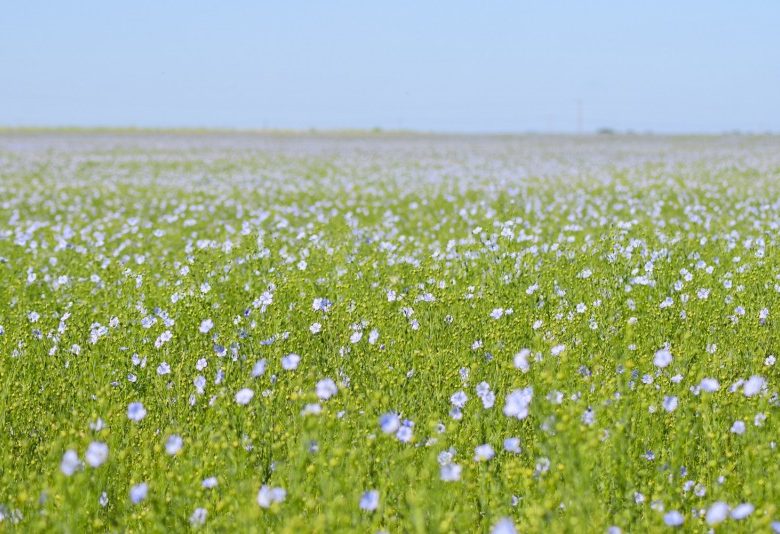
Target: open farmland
(388, 332)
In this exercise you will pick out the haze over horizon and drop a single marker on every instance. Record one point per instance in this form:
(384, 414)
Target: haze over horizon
(701, 67)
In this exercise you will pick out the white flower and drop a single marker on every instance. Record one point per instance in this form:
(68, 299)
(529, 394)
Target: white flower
(97, 454)
(373, 336)
(355, 337)
(741, 511)
(136, 411)
(670, 404)
(459, 399)
(488, 399)
(557, 350)
(369, 501)
(521, 360)
(209, 483)
(517, 403)
(199, 382)
(290, 362)
(717, 513)
(504, 526)
(738, 427)
(674, 518)
(164, 338)
(326, 388)
(759, 419)
(268, 495)
(243, 396)
(450, 472)
(445, 457)
(259, 368)
(206, 326)
(483, 453)
(315, 328)
(198, 517)
(70, 462)
(404, 434)
(138, 492)
(710, 385)
(321, 304)
(512, 445)
(588, 417)
(163, 369)
(662, 358)
(173, 444)
(312, 409)
(390, 423)
(753, 385)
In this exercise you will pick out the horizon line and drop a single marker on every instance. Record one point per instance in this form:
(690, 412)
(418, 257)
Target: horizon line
(375, 131)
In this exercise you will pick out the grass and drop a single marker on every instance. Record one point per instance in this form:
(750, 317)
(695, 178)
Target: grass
(114, 250)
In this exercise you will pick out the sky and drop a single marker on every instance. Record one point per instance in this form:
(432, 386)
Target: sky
(451, 66)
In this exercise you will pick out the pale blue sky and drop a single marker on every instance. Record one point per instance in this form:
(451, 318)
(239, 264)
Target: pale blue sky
(667, 66)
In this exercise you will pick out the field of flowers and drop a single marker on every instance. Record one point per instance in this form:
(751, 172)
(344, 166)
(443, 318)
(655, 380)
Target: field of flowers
(400, 333)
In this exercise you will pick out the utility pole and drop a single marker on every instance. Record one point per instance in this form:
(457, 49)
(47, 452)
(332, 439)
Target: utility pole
(579, 116)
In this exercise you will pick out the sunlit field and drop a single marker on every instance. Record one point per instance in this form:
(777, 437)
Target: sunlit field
(388, 332)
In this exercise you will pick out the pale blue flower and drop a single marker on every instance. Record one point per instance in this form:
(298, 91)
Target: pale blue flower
(369, 501)
(136, 411)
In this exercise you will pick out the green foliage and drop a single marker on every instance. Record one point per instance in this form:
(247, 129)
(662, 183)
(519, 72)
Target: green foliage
(422, 246)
